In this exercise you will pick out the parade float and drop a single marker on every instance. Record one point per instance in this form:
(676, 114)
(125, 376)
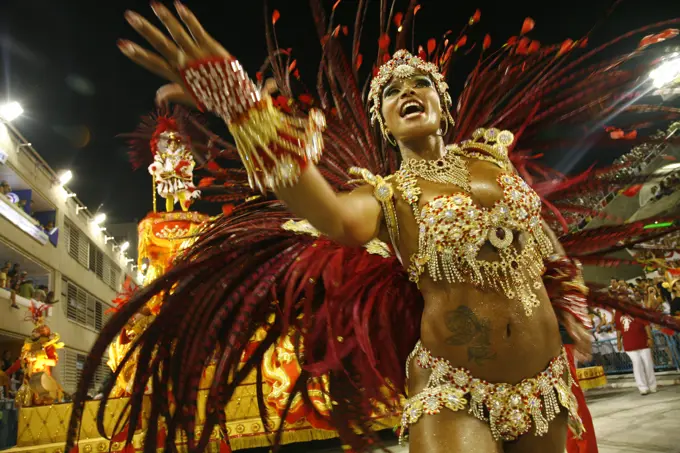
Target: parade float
(38, 356)
(162, 237)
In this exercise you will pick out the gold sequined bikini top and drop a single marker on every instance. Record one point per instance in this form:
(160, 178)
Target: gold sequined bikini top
(453, 229)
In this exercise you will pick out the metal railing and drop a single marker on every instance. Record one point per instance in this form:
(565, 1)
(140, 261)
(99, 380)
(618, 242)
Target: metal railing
(666, 354)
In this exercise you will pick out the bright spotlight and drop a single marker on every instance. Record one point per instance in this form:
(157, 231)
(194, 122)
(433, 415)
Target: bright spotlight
(99, 218)
(65, 177)
(668, 72)
(124, 246)
(11, 111)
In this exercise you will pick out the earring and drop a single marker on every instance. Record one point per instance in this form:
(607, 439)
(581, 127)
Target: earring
(448, 120)
(385, 132)
(386, 135)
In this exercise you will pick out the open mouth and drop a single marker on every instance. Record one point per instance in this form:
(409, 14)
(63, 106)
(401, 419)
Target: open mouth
(411, 108)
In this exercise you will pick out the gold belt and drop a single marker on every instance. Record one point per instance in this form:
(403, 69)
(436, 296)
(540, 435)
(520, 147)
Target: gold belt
(509, 409)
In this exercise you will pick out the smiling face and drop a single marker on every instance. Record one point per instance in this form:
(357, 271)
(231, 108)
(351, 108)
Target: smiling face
(411, 107)
(170, 143)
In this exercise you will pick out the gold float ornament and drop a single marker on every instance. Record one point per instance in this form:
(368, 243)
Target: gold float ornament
(162, 236)
(591, 377)
(38, 356)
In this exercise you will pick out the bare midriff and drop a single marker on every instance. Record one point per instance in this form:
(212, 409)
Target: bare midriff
(486, 333)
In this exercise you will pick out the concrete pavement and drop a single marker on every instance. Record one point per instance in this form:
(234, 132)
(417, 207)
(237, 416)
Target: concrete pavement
(626, 422)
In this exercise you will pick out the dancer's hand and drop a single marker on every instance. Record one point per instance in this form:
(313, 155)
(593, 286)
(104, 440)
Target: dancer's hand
(583, 341)
(186, 43)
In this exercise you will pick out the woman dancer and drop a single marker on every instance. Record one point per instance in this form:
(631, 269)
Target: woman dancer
(488, 373)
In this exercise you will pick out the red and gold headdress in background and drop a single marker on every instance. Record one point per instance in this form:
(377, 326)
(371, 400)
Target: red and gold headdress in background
(37, 314)
(163, 143)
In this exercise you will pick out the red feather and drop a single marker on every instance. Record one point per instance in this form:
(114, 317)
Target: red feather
(227, 209)
(384, 42)
(527, 26)
(475, 17)
(461, 41)
(487, 42)
(431, 44)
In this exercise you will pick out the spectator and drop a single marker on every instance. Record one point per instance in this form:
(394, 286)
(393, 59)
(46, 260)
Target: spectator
(652, 298)
(17, 280)
(40, 294)
(26, 289)
(15, 287)
(625, 290)
(7, 361)
(14, 271)
(675, 298)
(5, 188)
(665, 293)
(49, 299)
(4, 278)
(635, 336)
(613, 285)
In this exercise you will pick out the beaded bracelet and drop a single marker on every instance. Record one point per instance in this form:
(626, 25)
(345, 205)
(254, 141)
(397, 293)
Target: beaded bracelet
(275, 148)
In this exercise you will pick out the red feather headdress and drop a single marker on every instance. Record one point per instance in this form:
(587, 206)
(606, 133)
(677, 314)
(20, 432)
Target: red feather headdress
(144, 140)
(37, 313)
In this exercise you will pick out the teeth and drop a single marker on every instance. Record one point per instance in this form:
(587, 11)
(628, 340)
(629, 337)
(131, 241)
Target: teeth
(409, 104)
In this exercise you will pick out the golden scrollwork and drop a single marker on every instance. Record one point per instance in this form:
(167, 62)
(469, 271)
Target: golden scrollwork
(374, 246)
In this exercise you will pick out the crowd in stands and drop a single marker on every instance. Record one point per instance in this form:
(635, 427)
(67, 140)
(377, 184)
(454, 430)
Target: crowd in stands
(657, 293)
(24, 205)
(667, 186)
(13, 279)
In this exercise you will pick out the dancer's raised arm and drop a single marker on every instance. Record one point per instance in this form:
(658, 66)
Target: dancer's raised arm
(278, 151)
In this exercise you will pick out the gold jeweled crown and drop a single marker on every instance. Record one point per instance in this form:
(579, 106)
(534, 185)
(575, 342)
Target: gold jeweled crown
(403, 65)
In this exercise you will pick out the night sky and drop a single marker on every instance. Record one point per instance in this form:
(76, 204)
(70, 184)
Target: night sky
(60, 60)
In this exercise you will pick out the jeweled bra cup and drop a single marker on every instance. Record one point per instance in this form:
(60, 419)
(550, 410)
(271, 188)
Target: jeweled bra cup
(509, 409)
(453, 229)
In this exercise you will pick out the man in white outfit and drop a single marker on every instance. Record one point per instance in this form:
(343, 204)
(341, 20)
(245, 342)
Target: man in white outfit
(635, 336)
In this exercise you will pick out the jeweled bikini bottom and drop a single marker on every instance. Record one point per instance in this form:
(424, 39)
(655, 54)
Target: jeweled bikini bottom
(509, 409)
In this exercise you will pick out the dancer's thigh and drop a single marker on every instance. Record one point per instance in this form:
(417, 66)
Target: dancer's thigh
(452, 432)
(554, 441)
